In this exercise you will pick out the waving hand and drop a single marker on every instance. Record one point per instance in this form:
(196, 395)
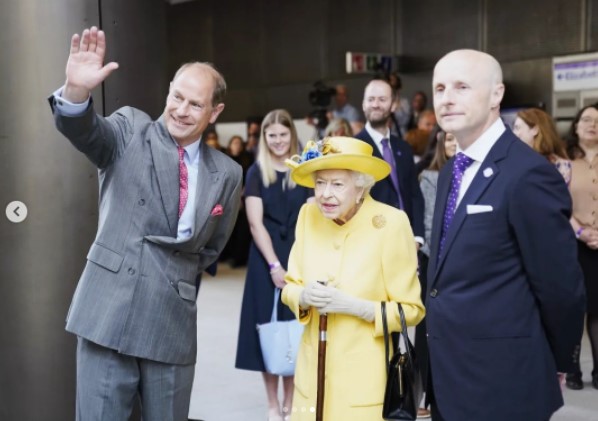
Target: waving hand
(85, 67)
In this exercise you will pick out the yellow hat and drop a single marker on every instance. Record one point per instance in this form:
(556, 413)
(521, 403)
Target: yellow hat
(336, 153)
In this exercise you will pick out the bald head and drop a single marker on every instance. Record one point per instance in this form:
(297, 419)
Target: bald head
(479, 62)
(468, 89)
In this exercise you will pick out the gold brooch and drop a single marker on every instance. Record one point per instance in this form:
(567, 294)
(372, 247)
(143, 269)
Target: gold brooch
(379, 221)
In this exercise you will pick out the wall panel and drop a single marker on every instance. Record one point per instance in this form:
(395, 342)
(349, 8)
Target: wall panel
(592, 23)
(522, 30)
(190, 34)
(137, 40)
(42, 257)
(433, 28)
(528, 82)
(243, 32)
(293, 37)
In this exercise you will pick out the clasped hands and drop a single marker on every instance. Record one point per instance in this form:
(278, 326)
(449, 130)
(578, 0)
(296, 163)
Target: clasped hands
(328, 299)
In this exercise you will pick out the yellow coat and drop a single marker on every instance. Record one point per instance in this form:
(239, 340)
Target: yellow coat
(373, 257)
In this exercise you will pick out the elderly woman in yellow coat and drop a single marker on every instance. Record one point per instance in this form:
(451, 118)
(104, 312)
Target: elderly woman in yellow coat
(364, 252)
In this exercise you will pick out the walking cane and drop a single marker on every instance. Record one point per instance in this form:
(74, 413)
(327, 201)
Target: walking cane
(321, 365)
(321, 368)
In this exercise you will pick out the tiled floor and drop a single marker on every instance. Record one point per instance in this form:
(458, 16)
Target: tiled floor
(223, 393)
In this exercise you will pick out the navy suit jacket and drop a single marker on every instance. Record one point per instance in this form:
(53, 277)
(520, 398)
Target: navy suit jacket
(505, 300)
(384, 191)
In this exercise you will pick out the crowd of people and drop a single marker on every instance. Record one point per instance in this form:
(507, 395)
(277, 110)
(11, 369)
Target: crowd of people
(485, 237)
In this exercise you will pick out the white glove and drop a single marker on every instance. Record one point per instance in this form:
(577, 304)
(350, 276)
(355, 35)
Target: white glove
(314, 295)
(341, 302)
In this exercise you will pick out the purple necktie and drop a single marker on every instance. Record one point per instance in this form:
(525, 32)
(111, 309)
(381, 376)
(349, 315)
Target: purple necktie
(183, 181)
(387, 155)
(461, 163)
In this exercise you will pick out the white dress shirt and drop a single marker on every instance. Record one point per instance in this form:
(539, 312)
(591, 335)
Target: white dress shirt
(377, 138)
(478, 151)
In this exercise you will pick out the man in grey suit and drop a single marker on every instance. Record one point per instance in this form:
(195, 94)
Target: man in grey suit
(167, 206)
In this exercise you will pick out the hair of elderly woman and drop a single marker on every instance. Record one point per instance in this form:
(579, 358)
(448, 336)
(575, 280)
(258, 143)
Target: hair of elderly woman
(366, 181)
(361, 180)
(547, 141)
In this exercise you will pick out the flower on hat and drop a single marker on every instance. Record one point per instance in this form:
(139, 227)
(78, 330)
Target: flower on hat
(314, 150)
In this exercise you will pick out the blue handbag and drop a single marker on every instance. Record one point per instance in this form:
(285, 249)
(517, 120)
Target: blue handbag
(279, 341)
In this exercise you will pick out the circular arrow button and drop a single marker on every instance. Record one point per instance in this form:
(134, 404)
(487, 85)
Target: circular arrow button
(16, 211)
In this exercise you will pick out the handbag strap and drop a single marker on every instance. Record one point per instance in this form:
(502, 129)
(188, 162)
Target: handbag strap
(385, 329)
(404, 334)
(274, 317)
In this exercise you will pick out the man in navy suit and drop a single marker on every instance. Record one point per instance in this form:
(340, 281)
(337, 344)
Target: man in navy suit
(401, 188)
(505, 295)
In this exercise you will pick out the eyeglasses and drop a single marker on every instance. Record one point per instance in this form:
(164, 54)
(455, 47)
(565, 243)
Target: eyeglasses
(589, 120)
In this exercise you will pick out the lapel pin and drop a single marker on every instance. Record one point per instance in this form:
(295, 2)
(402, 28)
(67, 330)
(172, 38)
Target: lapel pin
(488, 172)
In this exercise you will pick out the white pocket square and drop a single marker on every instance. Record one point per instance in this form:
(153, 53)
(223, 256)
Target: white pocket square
(472, 209)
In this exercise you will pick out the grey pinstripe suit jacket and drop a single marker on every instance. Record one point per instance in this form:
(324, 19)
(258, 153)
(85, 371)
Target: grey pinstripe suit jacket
(137, 293)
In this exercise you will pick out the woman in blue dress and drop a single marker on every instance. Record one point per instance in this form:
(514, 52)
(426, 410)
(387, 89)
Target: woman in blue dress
(272, 204)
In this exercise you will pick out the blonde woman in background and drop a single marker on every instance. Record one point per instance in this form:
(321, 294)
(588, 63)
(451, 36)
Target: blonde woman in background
(272, 204)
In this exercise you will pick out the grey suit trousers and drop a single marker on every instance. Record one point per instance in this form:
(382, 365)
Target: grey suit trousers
(109, 382)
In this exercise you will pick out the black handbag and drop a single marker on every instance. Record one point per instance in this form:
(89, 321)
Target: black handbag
(404, 387)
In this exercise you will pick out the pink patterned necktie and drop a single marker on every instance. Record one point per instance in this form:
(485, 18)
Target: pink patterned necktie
(461, 163)
(183, 181)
